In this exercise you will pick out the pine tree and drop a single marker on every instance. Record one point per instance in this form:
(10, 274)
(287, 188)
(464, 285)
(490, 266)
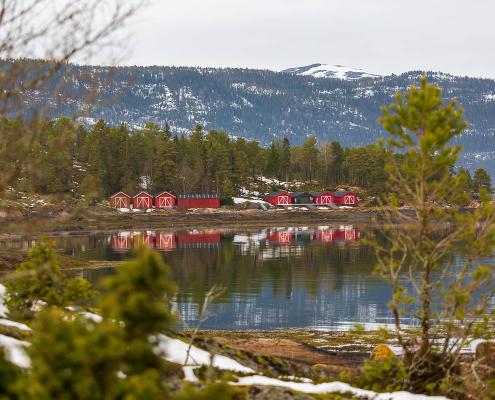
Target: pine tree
(285, 162)
(482, 181)
(310, 157)
(421, 126)
(272, 167)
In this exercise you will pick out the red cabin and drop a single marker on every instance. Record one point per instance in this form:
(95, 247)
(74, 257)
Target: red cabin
(185, 201)
(279, 198)
(120, 200)
(142, 200)
(165, 200)
(345, 198)
(165, 241)
(324, 198)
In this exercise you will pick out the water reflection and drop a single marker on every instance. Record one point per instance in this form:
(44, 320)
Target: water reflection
(124, 241)
(318, 277)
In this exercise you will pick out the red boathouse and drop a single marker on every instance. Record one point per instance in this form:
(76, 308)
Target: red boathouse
(185, 201)
(324, 198)
(345, 198)
(142, 200)
(120, 200)
(278, 198)
(165, 200)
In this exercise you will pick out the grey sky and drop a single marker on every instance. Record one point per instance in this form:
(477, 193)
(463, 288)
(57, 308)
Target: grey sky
(381, 36)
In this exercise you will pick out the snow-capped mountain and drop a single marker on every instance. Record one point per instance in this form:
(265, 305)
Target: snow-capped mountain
(330, 71)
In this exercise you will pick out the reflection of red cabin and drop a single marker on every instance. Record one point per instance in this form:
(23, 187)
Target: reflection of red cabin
(120, 200)
(326, 236)
(145, 240)
(198, 239)
(345, 198)
(121, 242)
(165, 241)
(164, 200)
(279, 198)
(185, 201)
(323, 198)
(142, 200)
(280, 237)
(348, 234)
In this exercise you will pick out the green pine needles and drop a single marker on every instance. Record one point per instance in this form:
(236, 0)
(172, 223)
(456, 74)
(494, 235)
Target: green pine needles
(448, 295)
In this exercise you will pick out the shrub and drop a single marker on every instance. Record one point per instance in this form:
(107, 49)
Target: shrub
(40, 280)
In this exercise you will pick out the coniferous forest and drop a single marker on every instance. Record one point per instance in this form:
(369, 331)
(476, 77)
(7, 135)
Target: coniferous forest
(65, 157)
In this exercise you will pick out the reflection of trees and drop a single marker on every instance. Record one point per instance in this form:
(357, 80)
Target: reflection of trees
(306, 264)
(313, 267)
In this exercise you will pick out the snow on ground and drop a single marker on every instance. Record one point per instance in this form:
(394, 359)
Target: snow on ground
(14, 324)
(176, 351)
(331, 387)
(15, 351)
(242, 200)
(3, 307)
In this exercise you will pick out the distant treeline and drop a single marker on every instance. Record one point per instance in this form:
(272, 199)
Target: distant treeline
(61, 156)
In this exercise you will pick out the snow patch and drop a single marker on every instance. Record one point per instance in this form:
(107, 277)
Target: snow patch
(3, 307)
(331, 387)
(331, 71)
(15, 351)
(14, 324)
(176, 351)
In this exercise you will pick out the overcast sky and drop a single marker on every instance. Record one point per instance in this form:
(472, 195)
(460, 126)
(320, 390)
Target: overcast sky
(382, 36)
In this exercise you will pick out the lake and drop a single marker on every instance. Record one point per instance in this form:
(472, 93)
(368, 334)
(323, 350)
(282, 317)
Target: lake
(275, 277)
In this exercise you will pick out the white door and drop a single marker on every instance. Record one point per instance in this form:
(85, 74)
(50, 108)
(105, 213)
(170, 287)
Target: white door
(327, 236)
(348, 199)
(168, 201)
(326, 199)
(283, 199)
(120, 202)
(166, 241)
(284, 237)
(350, 234)
(143, 202)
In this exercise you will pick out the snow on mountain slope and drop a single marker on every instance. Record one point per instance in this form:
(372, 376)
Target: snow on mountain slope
(330, 71)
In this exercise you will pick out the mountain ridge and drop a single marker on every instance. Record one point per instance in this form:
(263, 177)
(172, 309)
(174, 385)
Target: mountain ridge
(258, 104)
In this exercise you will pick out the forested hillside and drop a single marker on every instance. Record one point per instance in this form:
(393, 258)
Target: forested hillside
(256, 104)
(63, 157)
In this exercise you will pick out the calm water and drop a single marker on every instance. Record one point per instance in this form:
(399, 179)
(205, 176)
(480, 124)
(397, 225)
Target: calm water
(318, 277)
